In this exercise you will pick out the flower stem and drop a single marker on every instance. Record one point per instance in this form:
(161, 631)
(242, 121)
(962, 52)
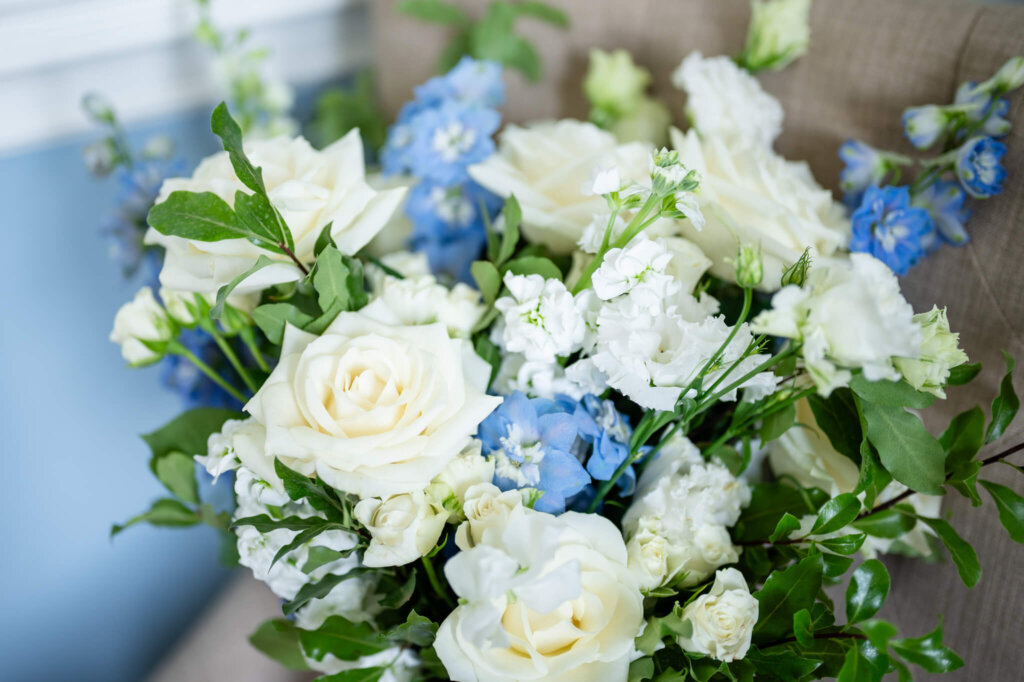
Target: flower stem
(178, 348)
(250, 342)
(288, 252)
(435, 582)
(632, 229)
(230, 354)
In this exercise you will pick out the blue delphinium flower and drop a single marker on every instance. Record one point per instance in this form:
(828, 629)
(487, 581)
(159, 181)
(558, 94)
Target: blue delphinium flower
(979, 166)
(449, 224)
(181, 376)
(923, 126)
(864, 166)
(137, 189)
(944, 200)
(997, 125)
(471, 81)
(890, 229)
(532, 442)
(608, 432)
(449, 139)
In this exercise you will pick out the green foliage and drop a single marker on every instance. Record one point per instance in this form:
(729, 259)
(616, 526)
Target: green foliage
(1011, 508)
(164, 512)
(279, 639)
(777, 423)
(838, 418)
(488, 281)
(273, 318)
(225, 291)
(888, 523)
(493, 37)
(912, 455)
(784, 594)
(534, 265)
(339, 111)
(928, 652)
(657, 629)
(784, 528)
(963, 374)
(769, 503)
(869, 585)
(1006, 404)
(177, 471)
(964, 556)
(835, 514)
(342, 638)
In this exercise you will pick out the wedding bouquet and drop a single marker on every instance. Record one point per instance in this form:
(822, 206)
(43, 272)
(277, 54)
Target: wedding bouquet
(574, 406)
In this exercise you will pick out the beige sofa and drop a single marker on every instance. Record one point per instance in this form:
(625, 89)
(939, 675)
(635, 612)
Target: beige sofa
(869, 60)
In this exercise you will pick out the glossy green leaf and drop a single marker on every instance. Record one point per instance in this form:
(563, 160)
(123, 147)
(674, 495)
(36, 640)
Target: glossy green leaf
(964, 556)
(890, 393)
(202, 216)
(225, 291)
(417, 630)
(534, 265)
(488, 281)
(177, 471)
(837, 417)
(912, 455)
(962, 439)
(844, 544)
(273, 318)
(928, 652)
(188, 433)
(641, 669)
(784, 593)
(1011, 508)
(963, 374)
(259, 216)
(855, 667)
(836, 514)
(784, 528)
(279, 639)
(319, 556)
(781, 662)
(769, 503)
(164, 512)
(322, 588)
(888, 523)
(868, 588)
(1006, 404)
(803, 630)
(230, 134)
(836, 565)
(777, 423)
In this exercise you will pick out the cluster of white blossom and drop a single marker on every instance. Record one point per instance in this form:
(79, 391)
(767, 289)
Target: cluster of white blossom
(677, 527)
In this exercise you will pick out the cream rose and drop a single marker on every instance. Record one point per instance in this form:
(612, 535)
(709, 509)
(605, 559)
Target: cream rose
(402, 527)
(751, 195)
(372, 407)
(807, 455)
(546, 166)
(310, 188)
(542, 598)
(487, 509)
(139, 326)
(723, 619)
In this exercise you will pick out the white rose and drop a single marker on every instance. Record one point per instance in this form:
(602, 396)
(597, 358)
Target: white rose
(421, 299)
(849, 314)
(402, 527)
(310, 188)
(648, 559)
(541, 319)
(181, 306)
(546, 165)
(372, 407)
(723, 619)
(751, 195)
(465, 471)
(940, 352)
(724, 101)
(543, 598)
(806, 454)
(397, 231)
(487, 509)
(139, 322)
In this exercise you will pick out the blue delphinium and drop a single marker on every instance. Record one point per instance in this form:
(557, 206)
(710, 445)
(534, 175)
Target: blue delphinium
(449, 139)
(137, 187)
(471, 81)
(532, 443)
(985, 108)
(944, 200)
(892, 230)
(864, 166)
(979, 166)
(448, 224)
(193, 387)
(923, 126)
(607, 432)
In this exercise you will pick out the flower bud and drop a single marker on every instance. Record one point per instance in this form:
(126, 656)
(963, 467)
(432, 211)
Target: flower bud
(924, 125)
(1010, 76)
(749, 269)
(940, 352)
(797, 272)
(780, 32)
(614, 84)
(143, 329)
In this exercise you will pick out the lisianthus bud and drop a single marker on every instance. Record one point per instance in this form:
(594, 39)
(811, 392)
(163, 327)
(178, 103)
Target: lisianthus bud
(797, 272)
(749, 269)
(940, 352)
(142, 328)
(184, 307)
(780, 32)
(614, 84)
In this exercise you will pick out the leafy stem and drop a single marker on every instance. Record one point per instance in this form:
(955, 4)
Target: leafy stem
(176, 347)
(291, 254)
(435, 582)
(632, 229)
(211, 328)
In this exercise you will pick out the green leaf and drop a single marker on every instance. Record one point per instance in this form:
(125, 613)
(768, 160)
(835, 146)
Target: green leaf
(928, 652)
(187, 433)
(272, 318)
(488, 281)
(433, 10)
(320, 556)
(844, 544)
(264, 523)
(769, 503)
(490, 352)
(641, 669)
(836, 566)
(339, 282)
(803, 630)
(784, 528)
(912, 455)
(962, 440)
(963, 374)
(963, 554)
(837, 417)
(301, 487)
(510, 237)
(777, 423)
(460, 45)
(780, 662)
(230, 134)
(544, 12)
(225, 291)
(657, 629)
(279, 639)
(164, 512)
(393, 594)
(835, 514)
(855, 667)
(260, 217)
(888, 523)
(177, 471)
(868, 588)
(872, 478)
(339, 111)
(534, 265)
(1006, 404)
(783, 594)
(202, 216)
(322, 588)
(1011, 508)
(324, 239)
(890, 393)
(416, 630)
(371, 674)
(342, 638)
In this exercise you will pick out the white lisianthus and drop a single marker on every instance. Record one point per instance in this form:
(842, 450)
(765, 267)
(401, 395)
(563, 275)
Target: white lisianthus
(402, 527)
(639, 270)
(726, 102)
(780, 31)
(751, 195)
(372, 407)
(940, 352)
(849, 314)
(542, 597)
(614, 83)
(546, 164)
(310, 188)
(142, 328)
(723, 619)
(541, 319)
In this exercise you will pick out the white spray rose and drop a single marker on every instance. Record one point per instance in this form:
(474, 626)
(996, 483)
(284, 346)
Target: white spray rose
(464, 472)
(940, 352)
(541, 319)
(849, 314)
(542, 598)
(140, 323)
(751, 195)
(780, 31)
(724, 101)
(402, 527)
(372, 407)
(723, 619)
(487, 509)
(310, 188)
(546, 165)
(182, 306)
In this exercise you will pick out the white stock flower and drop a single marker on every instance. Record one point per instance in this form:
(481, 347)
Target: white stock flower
(849, 314)
(602, 181)
(401, 665)
(940, 352)
(723, 619)
(139, 321)
(542, 597)
(220, 454)
(724, 101)
(372, 407)
(310, 188)
(638, 269)
(546, 165)
(402, 527)
(418, 298)
(541, 320)
(535, 378)
(751, 195)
